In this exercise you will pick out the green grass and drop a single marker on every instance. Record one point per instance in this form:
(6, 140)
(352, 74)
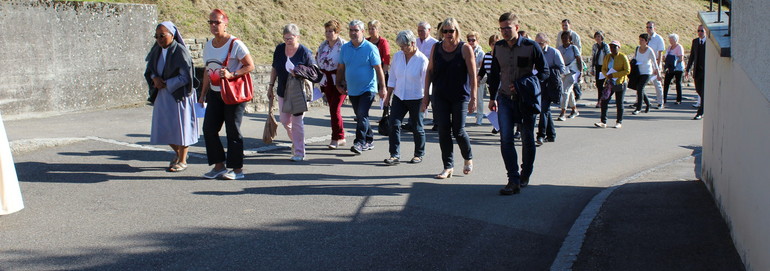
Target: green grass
(259, 22)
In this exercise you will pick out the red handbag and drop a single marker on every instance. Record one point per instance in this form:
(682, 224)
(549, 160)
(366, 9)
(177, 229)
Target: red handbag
(236, 90)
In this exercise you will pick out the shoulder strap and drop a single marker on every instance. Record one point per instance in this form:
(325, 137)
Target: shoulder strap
(229, 50)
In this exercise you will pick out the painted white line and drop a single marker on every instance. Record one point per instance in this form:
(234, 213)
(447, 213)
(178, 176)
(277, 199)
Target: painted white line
(572, 244)
(138, 146)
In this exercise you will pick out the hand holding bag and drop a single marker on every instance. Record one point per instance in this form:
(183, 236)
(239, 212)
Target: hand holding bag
(271, 126)
(236, 90)
(383, 127)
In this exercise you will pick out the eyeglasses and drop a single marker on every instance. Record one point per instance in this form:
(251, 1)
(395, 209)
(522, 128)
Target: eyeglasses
(471, 40)
(288, 38)
(650, 27)
(158, 36)
(452, 31)
(354, 30)
(506, 28)
(215, 22)
(701, 30)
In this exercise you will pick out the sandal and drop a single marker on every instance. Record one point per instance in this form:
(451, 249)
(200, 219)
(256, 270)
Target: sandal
(173, 161)
(445, 174)
(415, 160)
(468, 168)
(178, 167)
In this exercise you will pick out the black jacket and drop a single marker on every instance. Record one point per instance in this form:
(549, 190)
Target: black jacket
(177, 72)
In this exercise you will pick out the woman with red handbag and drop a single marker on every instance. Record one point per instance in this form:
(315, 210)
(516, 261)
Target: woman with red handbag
(226, 57)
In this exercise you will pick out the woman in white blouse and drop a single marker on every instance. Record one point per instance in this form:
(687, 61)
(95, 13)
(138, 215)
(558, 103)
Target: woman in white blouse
(405, 93)
(646, 62)
(328, 57)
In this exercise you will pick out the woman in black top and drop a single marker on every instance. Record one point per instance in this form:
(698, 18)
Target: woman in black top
(452, 62)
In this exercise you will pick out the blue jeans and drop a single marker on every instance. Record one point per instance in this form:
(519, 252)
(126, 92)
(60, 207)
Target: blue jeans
(508, 114)
(449, 116)
(361, 105)
(398, 109)
(545, 128)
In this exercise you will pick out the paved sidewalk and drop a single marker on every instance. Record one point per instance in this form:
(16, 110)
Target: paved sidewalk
(665, 220)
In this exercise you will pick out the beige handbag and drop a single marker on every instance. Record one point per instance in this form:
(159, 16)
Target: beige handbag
(271, 126)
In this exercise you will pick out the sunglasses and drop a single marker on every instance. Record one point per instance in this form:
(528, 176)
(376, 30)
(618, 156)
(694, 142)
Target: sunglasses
(700, 31)
(471, 40)
(447, 31)
(354, 30)
(650, 27)
(215, 22)
(506, 28)
(161, 35)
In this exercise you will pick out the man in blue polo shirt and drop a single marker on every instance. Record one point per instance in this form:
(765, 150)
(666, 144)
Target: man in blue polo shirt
(360, 76)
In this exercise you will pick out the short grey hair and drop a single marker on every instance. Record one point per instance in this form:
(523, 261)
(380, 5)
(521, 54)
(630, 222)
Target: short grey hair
(405, 37)
(424, 24)
(292, 29)
(674, 36)
(358, 23)
(543, 36)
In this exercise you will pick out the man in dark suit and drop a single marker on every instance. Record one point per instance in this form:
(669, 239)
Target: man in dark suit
(697, 61)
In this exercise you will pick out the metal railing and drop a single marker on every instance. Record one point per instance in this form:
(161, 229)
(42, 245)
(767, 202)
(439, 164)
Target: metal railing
(719, 14)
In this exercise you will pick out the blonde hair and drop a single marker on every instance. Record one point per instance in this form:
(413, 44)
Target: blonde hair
(374, 23)
(453, 23)
(472, 34)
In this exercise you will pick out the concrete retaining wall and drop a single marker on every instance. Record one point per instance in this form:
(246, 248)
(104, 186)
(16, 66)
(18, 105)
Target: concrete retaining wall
(70, 56)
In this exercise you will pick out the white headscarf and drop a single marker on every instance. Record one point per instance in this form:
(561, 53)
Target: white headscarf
(174, 31)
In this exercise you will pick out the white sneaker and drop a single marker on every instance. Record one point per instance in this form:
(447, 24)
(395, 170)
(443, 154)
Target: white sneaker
(334, 144)
(600, 125)
(618, 125)
(213, 174)
(232, 175)
(297, 158)
(561, 118)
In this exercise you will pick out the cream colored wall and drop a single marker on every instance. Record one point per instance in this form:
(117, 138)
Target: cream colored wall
(736, 154)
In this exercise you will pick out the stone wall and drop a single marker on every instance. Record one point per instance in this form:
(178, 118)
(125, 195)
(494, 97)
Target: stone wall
(70, 56)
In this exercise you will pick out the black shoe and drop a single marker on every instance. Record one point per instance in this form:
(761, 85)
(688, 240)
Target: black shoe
(495, 131)
(435, 128)
(517, 135)
(524, 182)
(550, 139)
(510, 189)
(539, 141)
(647, 109)
(697, 117)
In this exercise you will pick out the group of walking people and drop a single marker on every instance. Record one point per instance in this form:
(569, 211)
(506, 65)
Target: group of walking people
(523, 76)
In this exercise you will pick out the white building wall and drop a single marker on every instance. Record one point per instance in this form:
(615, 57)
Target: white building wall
(736, 132)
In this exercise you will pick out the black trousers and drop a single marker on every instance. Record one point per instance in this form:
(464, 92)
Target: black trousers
(667, 84)
(619, 91)
(218, 113)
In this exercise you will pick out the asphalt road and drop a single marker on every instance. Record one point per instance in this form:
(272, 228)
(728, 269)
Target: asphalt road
(97, 197)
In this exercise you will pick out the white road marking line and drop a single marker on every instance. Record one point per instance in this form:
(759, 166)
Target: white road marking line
(573, 243)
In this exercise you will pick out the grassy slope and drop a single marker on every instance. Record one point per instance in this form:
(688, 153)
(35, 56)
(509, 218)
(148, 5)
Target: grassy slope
(259, 22)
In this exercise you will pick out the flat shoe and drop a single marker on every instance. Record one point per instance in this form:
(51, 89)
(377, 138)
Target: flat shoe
(416, 160)
(510, 189)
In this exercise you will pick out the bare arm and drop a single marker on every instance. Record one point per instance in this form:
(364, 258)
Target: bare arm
(341, 85)
(380, 81)
(470, 63)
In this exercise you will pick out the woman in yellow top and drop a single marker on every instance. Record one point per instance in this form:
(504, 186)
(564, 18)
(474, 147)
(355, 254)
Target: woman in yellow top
(615, 68)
